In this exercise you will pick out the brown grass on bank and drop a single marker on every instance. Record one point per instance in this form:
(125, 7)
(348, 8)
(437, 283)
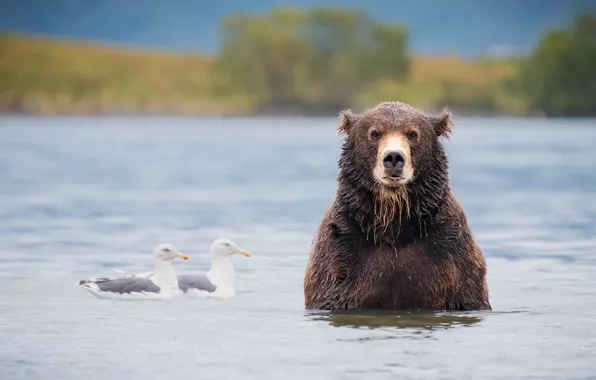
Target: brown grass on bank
(44, 74)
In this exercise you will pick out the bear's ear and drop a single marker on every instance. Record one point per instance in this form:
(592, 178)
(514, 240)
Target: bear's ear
(443, 124)
(346, 121)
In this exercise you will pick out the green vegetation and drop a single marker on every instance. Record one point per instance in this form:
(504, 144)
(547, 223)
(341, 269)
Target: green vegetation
(560, 76)
(320, 59)
(314, 61)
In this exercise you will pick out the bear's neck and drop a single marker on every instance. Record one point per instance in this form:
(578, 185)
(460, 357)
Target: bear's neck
(395, 216)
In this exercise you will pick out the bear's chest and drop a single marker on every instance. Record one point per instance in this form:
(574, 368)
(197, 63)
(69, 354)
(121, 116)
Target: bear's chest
(409, 277)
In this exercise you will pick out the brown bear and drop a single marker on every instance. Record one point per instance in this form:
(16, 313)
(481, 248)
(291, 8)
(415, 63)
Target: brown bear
(395, 237)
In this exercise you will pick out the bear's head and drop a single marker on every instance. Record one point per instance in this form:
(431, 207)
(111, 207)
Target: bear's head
(392, 150)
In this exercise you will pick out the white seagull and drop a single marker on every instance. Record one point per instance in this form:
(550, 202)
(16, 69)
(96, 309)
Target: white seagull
(218, 282)
(162, 283)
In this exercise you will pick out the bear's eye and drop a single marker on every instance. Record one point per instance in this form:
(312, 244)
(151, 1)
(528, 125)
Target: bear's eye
(375, 135)
(412, 135)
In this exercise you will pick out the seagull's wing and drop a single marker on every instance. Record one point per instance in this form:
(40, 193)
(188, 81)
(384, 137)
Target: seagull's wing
(121, 285)
(195, 281)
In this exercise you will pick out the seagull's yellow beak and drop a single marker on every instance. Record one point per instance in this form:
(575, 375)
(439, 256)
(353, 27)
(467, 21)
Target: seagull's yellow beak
(183, 256)
(244, 252)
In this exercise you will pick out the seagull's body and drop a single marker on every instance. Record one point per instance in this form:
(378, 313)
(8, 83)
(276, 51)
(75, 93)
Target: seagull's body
(162, 283)
(218, 282)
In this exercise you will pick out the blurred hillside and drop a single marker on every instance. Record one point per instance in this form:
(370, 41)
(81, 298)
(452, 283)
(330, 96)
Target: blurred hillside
(300, 62)
(48, 76)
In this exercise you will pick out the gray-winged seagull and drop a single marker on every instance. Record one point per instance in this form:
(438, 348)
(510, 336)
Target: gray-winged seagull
(162, 283)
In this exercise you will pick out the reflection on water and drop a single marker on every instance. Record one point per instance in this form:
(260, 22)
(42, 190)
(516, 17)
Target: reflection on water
(409, 320)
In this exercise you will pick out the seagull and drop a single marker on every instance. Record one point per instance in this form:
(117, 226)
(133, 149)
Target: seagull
(162, 283)
(218, 282)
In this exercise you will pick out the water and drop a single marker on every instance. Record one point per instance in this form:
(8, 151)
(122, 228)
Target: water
(79, 197)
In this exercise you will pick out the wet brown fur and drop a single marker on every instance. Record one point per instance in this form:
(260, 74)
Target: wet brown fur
(389, 204)
(395, 247)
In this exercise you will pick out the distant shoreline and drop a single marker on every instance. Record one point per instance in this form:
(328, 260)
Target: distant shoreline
(290, 112)
(47, 77)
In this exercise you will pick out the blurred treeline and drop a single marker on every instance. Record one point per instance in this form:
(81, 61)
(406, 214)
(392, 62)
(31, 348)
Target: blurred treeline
(290, 60)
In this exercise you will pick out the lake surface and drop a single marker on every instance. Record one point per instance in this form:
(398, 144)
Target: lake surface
(81, 196)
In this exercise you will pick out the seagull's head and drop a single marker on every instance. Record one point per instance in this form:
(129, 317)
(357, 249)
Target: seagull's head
(167, 252)
(226, 247)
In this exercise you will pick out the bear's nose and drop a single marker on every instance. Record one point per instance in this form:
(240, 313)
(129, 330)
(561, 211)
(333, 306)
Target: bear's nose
(394, 160)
